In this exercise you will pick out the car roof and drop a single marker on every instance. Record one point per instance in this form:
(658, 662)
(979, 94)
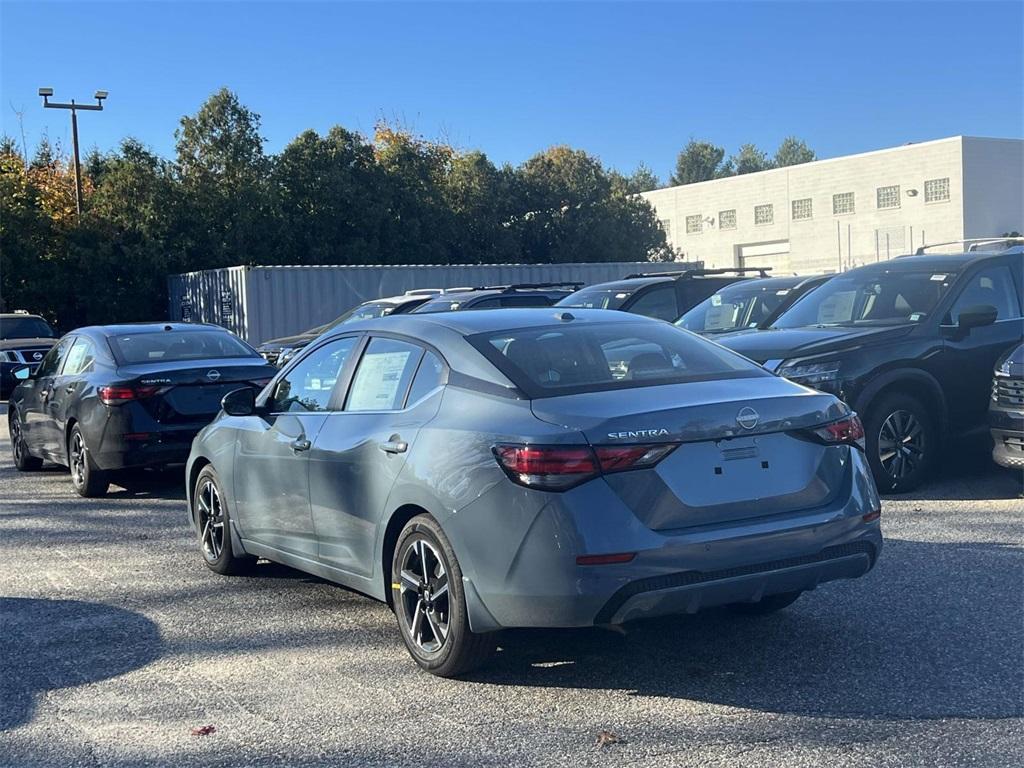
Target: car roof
(473, 321)
(12, 315)
(773, 283)
(155, 327)
(462, 296)
(951, 262)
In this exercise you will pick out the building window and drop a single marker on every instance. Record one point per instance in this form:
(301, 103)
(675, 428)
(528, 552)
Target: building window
(888, 197)
(936, 190)
(727, 219)
(694, 224)
(666, 226)
(842, 203)
(802, 209)
(764, 214)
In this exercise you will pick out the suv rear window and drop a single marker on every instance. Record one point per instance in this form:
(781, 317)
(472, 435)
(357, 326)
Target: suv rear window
(171, 346)
(567, 359)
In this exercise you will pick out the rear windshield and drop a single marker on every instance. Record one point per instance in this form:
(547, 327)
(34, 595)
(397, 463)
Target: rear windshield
(596, 298)
(25, 328)
(170, 346)
(566, 359)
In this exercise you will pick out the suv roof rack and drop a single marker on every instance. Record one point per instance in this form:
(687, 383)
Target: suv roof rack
(762, 271)
(975, 244)
(424, 292)
(573, 284)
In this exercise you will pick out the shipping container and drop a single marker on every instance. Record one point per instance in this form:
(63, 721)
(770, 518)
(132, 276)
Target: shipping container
(261, 303)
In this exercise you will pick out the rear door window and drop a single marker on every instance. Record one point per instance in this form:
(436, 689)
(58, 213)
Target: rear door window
(429, 376)
(80, 358)
(658, 302)
(54, 358)
(383, 376)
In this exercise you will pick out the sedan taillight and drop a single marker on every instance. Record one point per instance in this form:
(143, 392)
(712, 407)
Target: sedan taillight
(558, 468)
(848, 431)
(116, 395)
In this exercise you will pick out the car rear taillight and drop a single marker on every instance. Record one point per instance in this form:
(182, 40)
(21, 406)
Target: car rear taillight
(558, 468)
(550, 468)
(117, 395)
(616, 458)
(848, 431)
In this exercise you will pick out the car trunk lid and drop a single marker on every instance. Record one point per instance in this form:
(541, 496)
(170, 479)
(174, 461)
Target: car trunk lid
(742, 450)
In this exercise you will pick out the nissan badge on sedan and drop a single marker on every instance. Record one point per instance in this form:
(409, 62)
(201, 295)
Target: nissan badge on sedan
(535, 468)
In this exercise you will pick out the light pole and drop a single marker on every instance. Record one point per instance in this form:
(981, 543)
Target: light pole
(46, 93)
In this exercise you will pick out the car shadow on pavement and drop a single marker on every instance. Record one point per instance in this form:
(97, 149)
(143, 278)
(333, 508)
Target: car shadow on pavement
(934, 631)
(51, 644)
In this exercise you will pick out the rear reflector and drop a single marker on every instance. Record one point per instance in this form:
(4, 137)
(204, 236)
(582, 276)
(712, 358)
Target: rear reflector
(621, 557)
(870, 516)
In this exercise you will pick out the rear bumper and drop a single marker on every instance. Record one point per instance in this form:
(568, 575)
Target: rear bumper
(540, 584)
(157, 449)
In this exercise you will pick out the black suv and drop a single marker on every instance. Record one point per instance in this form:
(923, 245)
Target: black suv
(24, 340)
(909, 343)
(661, 295)
(498, 296)
(280, 351)
(1006, 413)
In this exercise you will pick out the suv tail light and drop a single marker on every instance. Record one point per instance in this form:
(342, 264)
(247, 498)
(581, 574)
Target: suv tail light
(116, 395)
(848, 431)
(559, 467)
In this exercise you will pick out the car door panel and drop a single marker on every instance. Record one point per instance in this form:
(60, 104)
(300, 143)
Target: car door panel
(41, 433)
(271, 464)
(357, 457)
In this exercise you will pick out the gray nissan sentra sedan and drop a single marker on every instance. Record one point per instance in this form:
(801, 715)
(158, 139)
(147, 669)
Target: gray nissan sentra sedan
(535, 468)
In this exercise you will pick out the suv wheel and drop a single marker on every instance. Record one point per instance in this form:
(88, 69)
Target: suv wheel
(23, 460)
(902, 442)
(89, 480)
(430, 603)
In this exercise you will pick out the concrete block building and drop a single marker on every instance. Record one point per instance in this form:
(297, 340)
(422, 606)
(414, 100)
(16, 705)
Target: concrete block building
(831, 215)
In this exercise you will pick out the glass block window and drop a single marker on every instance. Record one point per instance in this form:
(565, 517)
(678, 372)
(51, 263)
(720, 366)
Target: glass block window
(888, 197)
(694, 224)
(802, 209)
(936, 190)
(764, 214)
(727, 219)
(842, 203)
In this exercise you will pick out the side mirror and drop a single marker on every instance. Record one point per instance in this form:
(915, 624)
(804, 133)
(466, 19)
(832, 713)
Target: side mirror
(977, 316)
(22, 373)
(239, 402)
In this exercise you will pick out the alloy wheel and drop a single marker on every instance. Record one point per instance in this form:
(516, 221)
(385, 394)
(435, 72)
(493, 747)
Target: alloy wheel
(77, 459)
(17, 447)
(900, 444)
(425, 599)
(210, 520)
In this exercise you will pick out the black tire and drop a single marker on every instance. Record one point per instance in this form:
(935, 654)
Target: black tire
(212, 523)
(766, 605)
(88, 479)
(23, 460)
(424, 551)
(902, 442)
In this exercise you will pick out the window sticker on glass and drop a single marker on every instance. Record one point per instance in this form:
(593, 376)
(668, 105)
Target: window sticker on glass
(716, 300)
(939, 278)
(783, 292)
(376, 385)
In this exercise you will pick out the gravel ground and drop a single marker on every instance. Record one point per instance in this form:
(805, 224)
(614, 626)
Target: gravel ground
(117, 641)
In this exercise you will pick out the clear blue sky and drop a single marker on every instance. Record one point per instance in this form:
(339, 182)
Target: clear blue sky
(629, 82)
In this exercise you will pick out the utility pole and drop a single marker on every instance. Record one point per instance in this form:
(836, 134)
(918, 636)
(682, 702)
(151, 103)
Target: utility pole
(46, 93)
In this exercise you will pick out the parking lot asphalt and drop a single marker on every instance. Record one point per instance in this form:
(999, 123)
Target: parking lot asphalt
(117, 642)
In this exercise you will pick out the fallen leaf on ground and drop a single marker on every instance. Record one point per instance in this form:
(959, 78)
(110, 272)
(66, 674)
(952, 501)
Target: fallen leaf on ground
(204, 730)
(604, 738)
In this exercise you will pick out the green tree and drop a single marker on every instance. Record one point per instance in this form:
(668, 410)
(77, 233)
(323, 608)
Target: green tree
(793, 151)
(699, 161)
(481, 199)
(749, 159)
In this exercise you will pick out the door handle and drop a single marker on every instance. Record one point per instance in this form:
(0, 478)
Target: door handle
(302, 444)
(394, 446)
